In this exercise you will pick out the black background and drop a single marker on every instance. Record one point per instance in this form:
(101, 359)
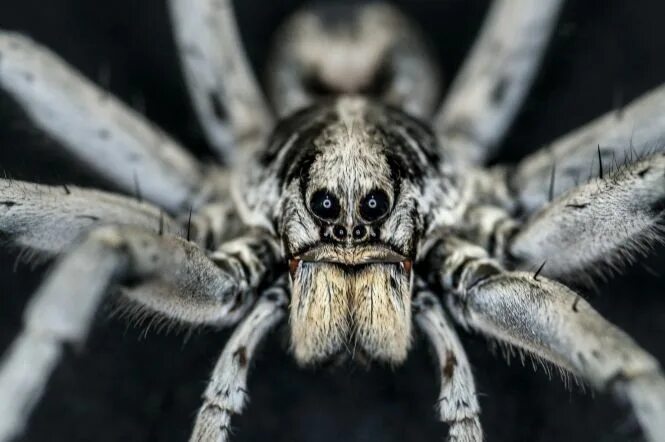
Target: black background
(130, 385)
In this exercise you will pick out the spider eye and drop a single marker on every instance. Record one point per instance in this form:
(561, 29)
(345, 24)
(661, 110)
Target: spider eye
(324, 205)
(375, 205)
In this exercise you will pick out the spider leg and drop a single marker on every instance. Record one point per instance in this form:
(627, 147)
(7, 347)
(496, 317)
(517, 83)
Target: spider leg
(606, 221)
(47, 219)
(44, 220)
(98, 129)
(225, 94)
(213, 224)
(551, 322)
(226, 393)
(163, 274)
(218, 220)
(487, 93)
(458, 403)
(611, 141)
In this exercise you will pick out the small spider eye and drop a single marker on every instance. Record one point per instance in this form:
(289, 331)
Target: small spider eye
(324, 205)
(375, 205)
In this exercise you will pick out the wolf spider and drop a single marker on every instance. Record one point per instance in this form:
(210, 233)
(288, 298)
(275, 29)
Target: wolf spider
(355, 206)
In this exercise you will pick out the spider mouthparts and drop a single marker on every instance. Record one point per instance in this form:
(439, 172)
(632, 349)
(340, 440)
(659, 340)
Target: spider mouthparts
(407, 266)
(293, 266)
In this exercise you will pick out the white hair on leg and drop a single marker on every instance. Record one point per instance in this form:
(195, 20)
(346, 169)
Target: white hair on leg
(225, 94)
(599, 225)
(96, 128)
(491, 85)
(458, 402)
(226, 393)
(168, 275)
(551, 322)
(609, 142)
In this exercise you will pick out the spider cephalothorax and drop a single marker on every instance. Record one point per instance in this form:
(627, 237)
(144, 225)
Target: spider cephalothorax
(358, 214)
(355, 184)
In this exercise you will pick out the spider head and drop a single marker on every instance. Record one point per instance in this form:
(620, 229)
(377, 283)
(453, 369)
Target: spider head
(350, 223)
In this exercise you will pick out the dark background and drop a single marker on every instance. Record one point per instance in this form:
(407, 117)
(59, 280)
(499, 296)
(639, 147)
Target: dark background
(131, 385)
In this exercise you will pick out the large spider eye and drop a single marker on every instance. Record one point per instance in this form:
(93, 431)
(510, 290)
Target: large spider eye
(375, 205)
(324, 205)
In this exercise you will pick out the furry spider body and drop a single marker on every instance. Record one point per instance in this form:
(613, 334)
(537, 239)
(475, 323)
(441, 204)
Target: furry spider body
(358, 215)
(353, 186)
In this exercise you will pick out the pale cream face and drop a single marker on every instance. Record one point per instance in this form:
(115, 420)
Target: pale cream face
(350, 183)
(363, 309)
(349, 292)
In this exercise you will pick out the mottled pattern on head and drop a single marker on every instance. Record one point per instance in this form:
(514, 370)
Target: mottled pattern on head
(348, 146)
(350, 292)
(350, 162)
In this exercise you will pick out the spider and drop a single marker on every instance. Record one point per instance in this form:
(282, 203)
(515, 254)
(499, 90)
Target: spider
(362, 215)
